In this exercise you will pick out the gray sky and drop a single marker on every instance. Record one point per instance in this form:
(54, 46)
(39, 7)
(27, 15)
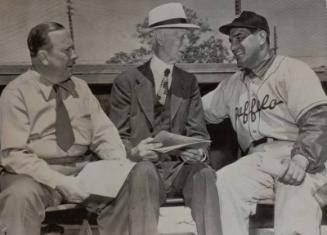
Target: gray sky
(103, 27)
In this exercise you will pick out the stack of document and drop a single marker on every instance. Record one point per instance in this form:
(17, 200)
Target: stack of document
(171, 142)
(103, 179)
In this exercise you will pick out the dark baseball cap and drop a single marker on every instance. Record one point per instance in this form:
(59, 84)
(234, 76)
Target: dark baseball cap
(247, 19)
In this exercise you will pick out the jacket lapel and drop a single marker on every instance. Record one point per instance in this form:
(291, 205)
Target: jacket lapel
(177, 86)
(144, 85)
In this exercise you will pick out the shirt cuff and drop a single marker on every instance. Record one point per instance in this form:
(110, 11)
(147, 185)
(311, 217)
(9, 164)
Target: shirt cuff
(204, 155)
(55, 179)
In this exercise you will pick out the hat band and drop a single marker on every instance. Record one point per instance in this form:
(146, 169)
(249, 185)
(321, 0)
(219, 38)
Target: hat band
(170, 21)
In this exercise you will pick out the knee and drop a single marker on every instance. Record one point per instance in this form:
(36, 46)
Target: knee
(144, 170)
(206, 173)
(222, 177)
(25, 190)
(229, 181)
(144, 179)
(226, 176)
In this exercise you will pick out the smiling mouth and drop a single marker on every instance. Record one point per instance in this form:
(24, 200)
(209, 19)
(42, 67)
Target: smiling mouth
(238, 53)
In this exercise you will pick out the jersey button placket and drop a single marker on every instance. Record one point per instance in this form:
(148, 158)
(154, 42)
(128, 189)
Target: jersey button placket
(254, 115)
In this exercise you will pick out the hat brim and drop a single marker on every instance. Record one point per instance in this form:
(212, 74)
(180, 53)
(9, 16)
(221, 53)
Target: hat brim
(179, 25)
(225, 29)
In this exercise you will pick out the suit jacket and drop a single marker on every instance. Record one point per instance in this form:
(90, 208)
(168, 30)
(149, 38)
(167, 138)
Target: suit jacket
(132, 105)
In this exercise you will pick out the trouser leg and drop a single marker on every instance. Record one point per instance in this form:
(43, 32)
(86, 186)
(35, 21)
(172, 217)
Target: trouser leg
(198, 184)
(135, 211)
(240, 185)
(296, 209)
(22, 204)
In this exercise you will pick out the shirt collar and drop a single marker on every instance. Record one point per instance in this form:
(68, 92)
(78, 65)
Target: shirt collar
(261, 69)
(158, 66)
(46, 86)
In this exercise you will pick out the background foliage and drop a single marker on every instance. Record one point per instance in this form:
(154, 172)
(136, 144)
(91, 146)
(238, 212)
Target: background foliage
(203, 46)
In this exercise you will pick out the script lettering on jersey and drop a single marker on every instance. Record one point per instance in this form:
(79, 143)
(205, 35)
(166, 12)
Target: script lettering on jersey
(254, 106)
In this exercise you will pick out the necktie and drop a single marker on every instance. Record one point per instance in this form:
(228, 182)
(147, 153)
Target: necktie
(64, 131)
(163, 89)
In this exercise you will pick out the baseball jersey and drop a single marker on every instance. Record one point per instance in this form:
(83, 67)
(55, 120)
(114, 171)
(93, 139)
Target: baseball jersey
(269, 106)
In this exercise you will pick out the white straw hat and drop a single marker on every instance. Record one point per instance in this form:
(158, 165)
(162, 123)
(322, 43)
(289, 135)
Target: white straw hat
(169, 15)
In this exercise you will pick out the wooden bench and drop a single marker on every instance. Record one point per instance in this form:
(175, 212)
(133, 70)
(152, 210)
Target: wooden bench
(75, 214)
(72, 214)
(224, 147)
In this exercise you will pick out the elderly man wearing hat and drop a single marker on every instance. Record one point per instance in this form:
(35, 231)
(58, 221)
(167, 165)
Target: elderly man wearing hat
(159, 96)
(281, 128)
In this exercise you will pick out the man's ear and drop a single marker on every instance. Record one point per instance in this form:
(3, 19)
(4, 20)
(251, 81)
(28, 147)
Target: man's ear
(43, 57)
(262, 37)
(159, 36)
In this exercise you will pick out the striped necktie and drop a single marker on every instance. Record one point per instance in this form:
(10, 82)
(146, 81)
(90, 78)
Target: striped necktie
(163, 89)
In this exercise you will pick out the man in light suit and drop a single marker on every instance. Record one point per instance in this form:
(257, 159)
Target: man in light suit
(160, 96)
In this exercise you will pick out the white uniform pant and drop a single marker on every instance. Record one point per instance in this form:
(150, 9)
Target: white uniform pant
(242, 184)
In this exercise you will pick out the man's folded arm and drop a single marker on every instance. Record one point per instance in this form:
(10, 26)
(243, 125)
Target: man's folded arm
(312, 139)
(21, 161)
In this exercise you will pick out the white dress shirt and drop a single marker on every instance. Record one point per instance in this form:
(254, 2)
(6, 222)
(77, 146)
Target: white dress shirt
(27, 128)
(158, 68)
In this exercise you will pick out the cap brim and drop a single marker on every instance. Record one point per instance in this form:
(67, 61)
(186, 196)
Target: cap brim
(225, 29)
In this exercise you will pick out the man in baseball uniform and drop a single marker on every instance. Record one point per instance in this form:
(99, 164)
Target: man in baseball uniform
(279, 111)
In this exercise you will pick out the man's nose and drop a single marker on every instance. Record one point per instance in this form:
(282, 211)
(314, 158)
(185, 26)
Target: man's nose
(234, 45)
(73, 56)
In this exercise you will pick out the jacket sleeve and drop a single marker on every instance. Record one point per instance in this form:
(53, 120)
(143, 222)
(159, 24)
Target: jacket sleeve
(106, 142)
(119, 113)
(196, 125)
(312, 139)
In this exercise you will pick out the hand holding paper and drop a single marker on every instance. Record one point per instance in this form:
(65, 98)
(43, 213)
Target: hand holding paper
(192, 155)
(144, 149)
(71, 190)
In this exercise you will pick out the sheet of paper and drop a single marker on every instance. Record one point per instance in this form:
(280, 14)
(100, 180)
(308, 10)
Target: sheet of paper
(173, 141)
(104, 177)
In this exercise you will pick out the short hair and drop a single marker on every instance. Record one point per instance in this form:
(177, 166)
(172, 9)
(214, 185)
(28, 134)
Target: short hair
(38, 37)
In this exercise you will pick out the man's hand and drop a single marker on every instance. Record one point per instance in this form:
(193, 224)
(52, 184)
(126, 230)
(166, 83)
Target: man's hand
(71, 191)
(192, 155)
(296, 171)
(145, 151)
